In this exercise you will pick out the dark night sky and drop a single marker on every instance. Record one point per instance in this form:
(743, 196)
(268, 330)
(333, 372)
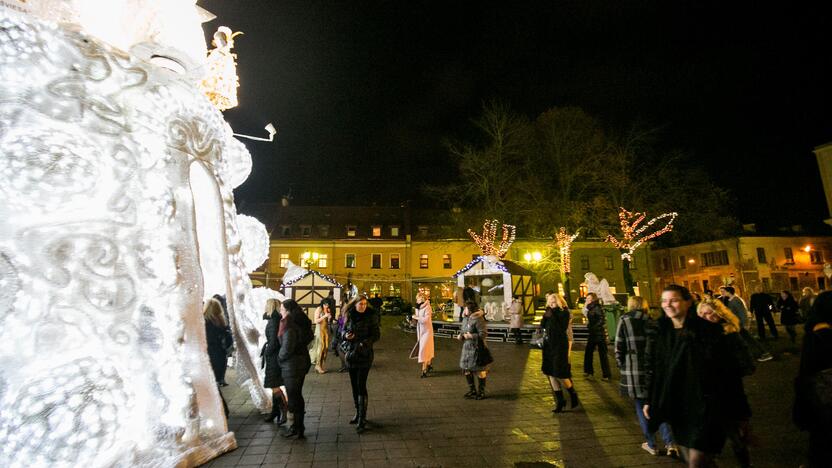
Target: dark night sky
(369, 89)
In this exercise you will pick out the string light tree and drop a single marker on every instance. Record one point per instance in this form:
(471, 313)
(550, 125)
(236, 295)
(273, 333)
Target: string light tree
(634, 232)
(563, 242)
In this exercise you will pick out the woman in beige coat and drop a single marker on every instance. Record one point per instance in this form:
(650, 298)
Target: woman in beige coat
(423, 351)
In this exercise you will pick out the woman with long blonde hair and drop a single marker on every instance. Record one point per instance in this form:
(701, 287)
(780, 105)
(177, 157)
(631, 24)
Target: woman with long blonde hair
(556, 325)
(269, 355)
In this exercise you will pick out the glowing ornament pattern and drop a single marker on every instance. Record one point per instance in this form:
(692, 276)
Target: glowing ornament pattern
(564, 240)
(102, 358)
(221, 82)
(489, 236)
(633, 232)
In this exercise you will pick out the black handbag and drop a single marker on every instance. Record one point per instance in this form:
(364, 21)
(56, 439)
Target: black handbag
(484, 356)
(347, 348)
(539, 339)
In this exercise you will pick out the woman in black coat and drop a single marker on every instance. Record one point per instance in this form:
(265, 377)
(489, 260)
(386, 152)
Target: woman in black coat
(216, 335)
(789, 313)
(685, 363)
(361, 330)
(269, 356)
(294, 334)
(556, 367)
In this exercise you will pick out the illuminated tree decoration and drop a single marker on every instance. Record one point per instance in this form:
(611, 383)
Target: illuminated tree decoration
(221, 81)
(564, 240)
(633, 232)
(489, 235)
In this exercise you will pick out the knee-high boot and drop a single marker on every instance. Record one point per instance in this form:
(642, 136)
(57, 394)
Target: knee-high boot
(362, 414)
(573, 396)
(355, 400)
(560, 401)
(472, 389)
(276, 406)
(481, 392)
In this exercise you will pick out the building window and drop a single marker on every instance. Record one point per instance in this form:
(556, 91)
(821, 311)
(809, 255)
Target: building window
(285, 230)
(323, 229)
(720, 257)
(584, 262)
(422, 230)
(306, 231)
(394, 231)
(376, 261)
(376, 231)
(665, 264)
(793, 283)
(761, 255)
(423, 261)
(446, 261)
(284, 259)
(683, 262)
(323, 261)
(349, 261)
(608, 264)
(394, 261)
(766, 284)
(789, 255)
(816, 257)
(351, 230)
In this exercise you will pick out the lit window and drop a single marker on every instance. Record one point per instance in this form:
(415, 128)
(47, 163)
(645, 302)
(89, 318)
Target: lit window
(376, 261)
(351, 230)
(423, 261)
(376, 231)
(323, 261)
(284, 259)
(394, 261)
(446, 261)
(394, 231)
(350, 261)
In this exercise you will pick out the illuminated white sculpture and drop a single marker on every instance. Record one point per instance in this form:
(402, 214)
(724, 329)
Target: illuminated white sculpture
(601, 288)
(117, 219)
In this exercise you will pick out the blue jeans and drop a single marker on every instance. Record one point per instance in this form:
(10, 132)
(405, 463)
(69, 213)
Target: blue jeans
(664, 428)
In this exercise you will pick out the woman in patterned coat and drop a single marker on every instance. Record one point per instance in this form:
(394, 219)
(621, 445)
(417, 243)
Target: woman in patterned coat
(473, 330)
(630, 343)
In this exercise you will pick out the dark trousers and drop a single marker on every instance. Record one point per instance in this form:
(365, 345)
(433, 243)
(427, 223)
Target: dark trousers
(358, 380)
(769, 319)
(518, 337)
(294, 393)
(599, 342)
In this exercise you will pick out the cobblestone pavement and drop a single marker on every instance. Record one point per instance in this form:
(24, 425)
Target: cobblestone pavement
(426, 422)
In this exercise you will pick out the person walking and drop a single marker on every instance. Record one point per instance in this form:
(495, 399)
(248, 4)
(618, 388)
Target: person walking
(217, 335)
(684, 364)
(475, 358)
(320, 347)
(736, 410)
(555, 366)
(812, 409)
(361, 330)
(807, 298)
(423, 350)
(789, 310)
(597, 338)
(762, 305)
(269, 358)
(516, 319)
(294, 334)
(630, 345)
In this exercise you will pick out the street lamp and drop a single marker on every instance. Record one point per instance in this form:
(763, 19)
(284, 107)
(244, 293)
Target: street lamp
(807, 249)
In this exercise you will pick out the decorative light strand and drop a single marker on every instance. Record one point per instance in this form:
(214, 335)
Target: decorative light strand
(316, 273)
(479, 259)
(630, 231)
(489, 235)
(564, 240)
(221, 82)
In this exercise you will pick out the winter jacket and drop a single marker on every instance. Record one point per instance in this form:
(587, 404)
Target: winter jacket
(294, 354)
(271, 349)
(684, 374)
(788, 311)
(736, 306)
(475, 325)
(815, 357)
(367, 330)
(597, 321)
(630, 345)
(555, 324)
(216, 338)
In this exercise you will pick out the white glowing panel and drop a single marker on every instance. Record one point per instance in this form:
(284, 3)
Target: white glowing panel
(255, 248)
(114, 199)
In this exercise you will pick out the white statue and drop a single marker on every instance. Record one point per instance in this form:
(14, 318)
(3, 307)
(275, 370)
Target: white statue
(117, 220)
(600, 288)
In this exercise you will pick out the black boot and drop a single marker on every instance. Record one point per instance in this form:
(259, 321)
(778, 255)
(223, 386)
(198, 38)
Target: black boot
(362, 414)
(275, 409)
(355, 418)
(296, 429)
(481, 393)
(472, 389)
(573, 397)
(281, 405)
(560, 402)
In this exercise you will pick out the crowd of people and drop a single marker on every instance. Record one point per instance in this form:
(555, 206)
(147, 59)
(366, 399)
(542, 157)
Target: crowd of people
(683, 367)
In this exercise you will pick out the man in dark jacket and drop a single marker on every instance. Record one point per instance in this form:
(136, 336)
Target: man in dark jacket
(597, 330)
(761, 306)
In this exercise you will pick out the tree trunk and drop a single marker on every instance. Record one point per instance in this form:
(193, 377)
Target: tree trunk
(628, 278)
(567, 292)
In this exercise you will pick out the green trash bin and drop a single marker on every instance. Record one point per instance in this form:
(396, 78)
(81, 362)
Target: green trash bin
(612, 313)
